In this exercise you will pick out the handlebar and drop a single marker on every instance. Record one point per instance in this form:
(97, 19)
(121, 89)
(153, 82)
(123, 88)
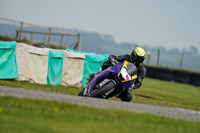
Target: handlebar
(113, 61)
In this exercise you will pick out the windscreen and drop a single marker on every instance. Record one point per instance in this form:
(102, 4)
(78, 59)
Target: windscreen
(128, 72)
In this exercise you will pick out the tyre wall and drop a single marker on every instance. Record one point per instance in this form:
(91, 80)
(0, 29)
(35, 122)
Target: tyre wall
(195, 79)
(164, 74)
(173, 75)
(150, 72)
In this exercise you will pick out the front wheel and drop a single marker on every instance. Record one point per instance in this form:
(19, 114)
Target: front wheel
(81, 92)
(103, 89)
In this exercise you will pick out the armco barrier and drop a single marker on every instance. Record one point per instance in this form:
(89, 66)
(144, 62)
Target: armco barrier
(167, 74)
(182, 77)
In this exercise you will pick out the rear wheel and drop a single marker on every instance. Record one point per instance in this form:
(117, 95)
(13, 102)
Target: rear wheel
(104, 90)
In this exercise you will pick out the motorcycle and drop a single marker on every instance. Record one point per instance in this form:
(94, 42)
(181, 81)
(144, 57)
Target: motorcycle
(111, 81)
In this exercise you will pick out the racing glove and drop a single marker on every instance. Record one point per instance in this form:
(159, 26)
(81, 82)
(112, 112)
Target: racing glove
(137, 85)
(112, 60)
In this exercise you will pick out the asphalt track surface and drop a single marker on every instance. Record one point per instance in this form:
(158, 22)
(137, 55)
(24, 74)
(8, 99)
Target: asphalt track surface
(101, 103)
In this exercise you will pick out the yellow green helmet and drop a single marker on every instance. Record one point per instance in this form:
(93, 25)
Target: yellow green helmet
(138, 55)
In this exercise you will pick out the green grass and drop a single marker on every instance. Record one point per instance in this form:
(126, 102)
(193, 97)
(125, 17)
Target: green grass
(168, 94)
(153, 92)
(26, 115)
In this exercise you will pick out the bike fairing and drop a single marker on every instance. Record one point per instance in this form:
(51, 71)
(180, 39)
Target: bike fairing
(114, 71)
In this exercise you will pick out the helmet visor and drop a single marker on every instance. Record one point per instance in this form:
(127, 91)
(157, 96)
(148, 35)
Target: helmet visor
(139, 60)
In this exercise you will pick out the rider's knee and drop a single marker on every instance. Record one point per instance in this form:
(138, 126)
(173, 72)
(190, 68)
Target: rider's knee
(126, 96)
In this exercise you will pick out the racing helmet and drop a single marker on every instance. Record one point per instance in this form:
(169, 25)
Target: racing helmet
(137, 56)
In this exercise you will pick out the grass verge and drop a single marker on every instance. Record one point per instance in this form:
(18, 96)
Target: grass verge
(170, 94)
(27, 115)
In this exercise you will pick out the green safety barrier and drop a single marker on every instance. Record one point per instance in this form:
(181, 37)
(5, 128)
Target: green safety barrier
(8, 64)
(55, 66)
(92, 64)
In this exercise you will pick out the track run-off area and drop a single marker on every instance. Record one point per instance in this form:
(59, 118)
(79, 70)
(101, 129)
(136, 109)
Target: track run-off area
(102, 103)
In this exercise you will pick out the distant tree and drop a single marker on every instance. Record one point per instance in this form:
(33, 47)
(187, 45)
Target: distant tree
(193, 50)
(174, 51)
(108, 38)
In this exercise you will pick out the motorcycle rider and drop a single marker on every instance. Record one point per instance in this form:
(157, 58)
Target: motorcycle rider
(136, 57)
(113, 73)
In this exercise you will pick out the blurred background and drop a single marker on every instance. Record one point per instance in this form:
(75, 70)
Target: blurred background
(167, 30)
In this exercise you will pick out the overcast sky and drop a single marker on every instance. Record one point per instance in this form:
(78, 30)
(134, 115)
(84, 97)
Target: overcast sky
(169, 23)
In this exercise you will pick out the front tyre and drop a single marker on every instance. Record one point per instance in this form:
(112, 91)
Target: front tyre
(81, 92)
(103, 89)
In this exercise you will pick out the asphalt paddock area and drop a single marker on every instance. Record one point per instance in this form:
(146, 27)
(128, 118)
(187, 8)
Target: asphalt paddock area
(102, 103)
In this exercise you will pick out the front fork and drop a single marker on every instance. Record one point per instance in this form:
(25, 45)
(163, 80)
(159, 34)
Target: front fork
(85, 93)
